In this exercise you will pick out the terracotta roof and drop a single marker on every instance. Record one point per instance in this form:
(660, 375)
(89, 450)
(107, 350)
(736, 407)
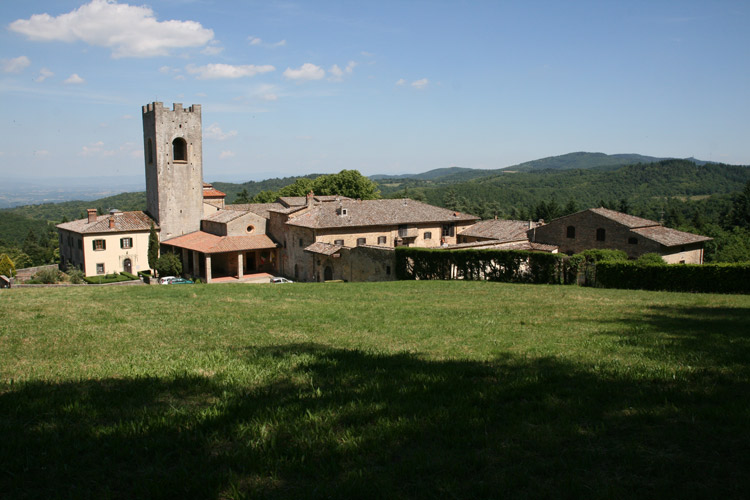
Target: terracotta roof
(124, 222)
(224, 216)
(212, 193)
(376, 213)
(323, 248)
(669, 237)
(502, 230)
(262, 209)
(630, 221)
(300, 201)
(506, 245)
(210, 243)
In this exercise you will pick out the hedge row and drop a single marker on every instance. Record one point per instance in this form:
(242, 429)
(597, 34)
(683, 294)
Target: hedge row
(512, 266)
(108, 278)
(706, 278)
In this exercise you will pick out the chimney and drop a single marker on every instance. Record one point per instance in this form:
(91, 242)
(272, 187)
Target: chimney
(92, 215)
(111, 221)
(309, 199)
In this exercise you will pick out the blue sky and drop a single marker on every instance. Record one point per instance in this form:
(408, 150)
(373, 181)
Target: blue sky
(291, 88)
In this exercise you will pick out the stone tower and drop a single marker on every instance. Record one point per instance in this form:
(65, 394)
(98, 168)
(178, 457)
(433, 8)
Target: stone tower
(172, 146)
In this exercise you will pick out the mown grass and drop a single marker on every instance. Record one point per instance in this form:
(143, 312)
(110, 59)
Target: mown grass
(383, 390)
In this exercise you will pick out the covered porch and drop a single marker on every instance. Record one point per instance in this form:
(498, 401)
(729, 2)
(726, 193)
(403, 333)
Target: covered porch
(215, 258)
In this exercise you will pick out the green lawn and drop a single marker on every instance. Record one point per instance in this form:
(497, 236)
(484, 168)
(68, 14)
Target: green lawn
(382, 390)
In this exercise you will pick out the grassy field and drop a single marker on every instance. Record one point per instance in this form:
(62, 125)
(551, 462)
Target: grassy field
(383, 390)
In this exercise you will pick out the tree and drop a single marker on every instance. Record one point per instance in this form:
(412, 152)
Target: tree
(6, 266)
(348, 183)
(740, 213)
(451, 201)
(153, 247)
(169, 264)
(242, 197)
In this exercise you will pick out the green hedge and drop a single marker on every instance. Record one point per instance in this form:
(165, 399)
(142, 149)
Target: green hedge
(707, 278)
(511, 266)
(129, 276)
(108, 278)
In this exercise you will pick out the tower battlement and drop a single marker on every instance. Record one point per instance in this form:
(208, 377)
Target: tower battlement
(176, 107)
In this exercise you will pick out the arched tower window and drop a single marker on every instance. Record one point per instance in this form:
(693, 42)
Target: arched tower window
(150, 151)
(179, 150)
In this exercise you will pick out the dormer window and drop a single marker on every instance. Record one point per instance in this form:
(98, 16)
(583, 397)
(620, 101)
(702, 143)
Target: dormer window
(344, 211)
(179, 150)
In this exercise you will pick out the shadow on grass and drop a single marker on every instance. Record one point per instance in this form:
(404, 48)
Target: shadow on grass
(702, 336)
(349, 424)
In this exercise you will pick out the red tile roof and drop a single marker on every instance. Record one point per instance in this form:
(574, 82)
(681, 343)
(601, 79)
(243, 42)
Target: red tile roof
(123, 222)
(630, 221)
(213, 193)
(323, 248)
(200, 241)
(669, 237)
(375, 213)
(498, 229)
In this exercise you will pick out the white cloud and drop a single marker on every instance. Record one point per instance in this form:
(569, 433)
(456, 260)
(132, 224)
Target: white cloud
(270, 97)
(367, 54)
(15, 65)
(336, 72)
(44, 73)
(213, 48)
(254, 40)
(213, 131)
(307, 71)
(420, 84)
(226, 154)
(74, 79)
(401, 81)
(130, 31)
(214, 71)
(280, 43)
(97, 149)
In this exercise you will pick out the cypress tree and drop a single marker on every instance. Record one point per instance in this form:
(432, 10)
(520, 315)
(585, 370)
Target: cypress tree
(153, 247)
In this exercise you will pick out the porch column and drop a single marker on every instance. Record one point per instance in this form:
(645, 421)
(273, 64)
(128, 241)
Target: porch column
(208, 268)
(239, 265)
(184, 260)
(196, 263)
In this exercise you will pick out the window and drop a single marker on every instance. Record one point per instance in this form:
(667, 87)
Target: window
(150, 151)
(338, 242)
(344, 211)
(250, 228)
(388, 270)
(601, 234)
(361, 241)
(100, 268)
(100, 245)
(126, 242)
(428, 235)
(571, 232)
(80, 244)
(300, 242)
(179, 150)
(633, 241)
(448, 230)
(402, 230)
(382, 240)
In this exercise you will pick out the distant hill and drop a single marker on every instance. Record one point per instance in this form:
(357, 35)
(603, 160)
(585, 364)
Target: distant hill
(583, 160)
(432, 174)
(570, 161)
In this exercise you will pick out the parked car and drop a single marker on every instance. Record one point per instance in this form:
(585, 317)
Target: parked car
(281, 280)
(181, 281)
(166, 280)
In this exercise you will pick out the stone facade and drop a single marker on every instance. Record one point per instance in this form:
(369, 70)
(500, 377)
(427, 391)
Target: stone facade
(173, 154)
(606, 229)
(363, 263)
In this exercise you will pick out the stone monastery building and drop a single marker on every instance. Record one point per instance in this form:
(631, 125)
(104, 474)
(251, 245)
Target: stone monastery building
(312, 238)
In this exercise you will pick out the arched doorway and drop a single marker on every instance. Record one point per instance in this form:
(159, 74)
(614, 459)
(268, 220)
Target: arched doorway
(328, 273)
(127, 266)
